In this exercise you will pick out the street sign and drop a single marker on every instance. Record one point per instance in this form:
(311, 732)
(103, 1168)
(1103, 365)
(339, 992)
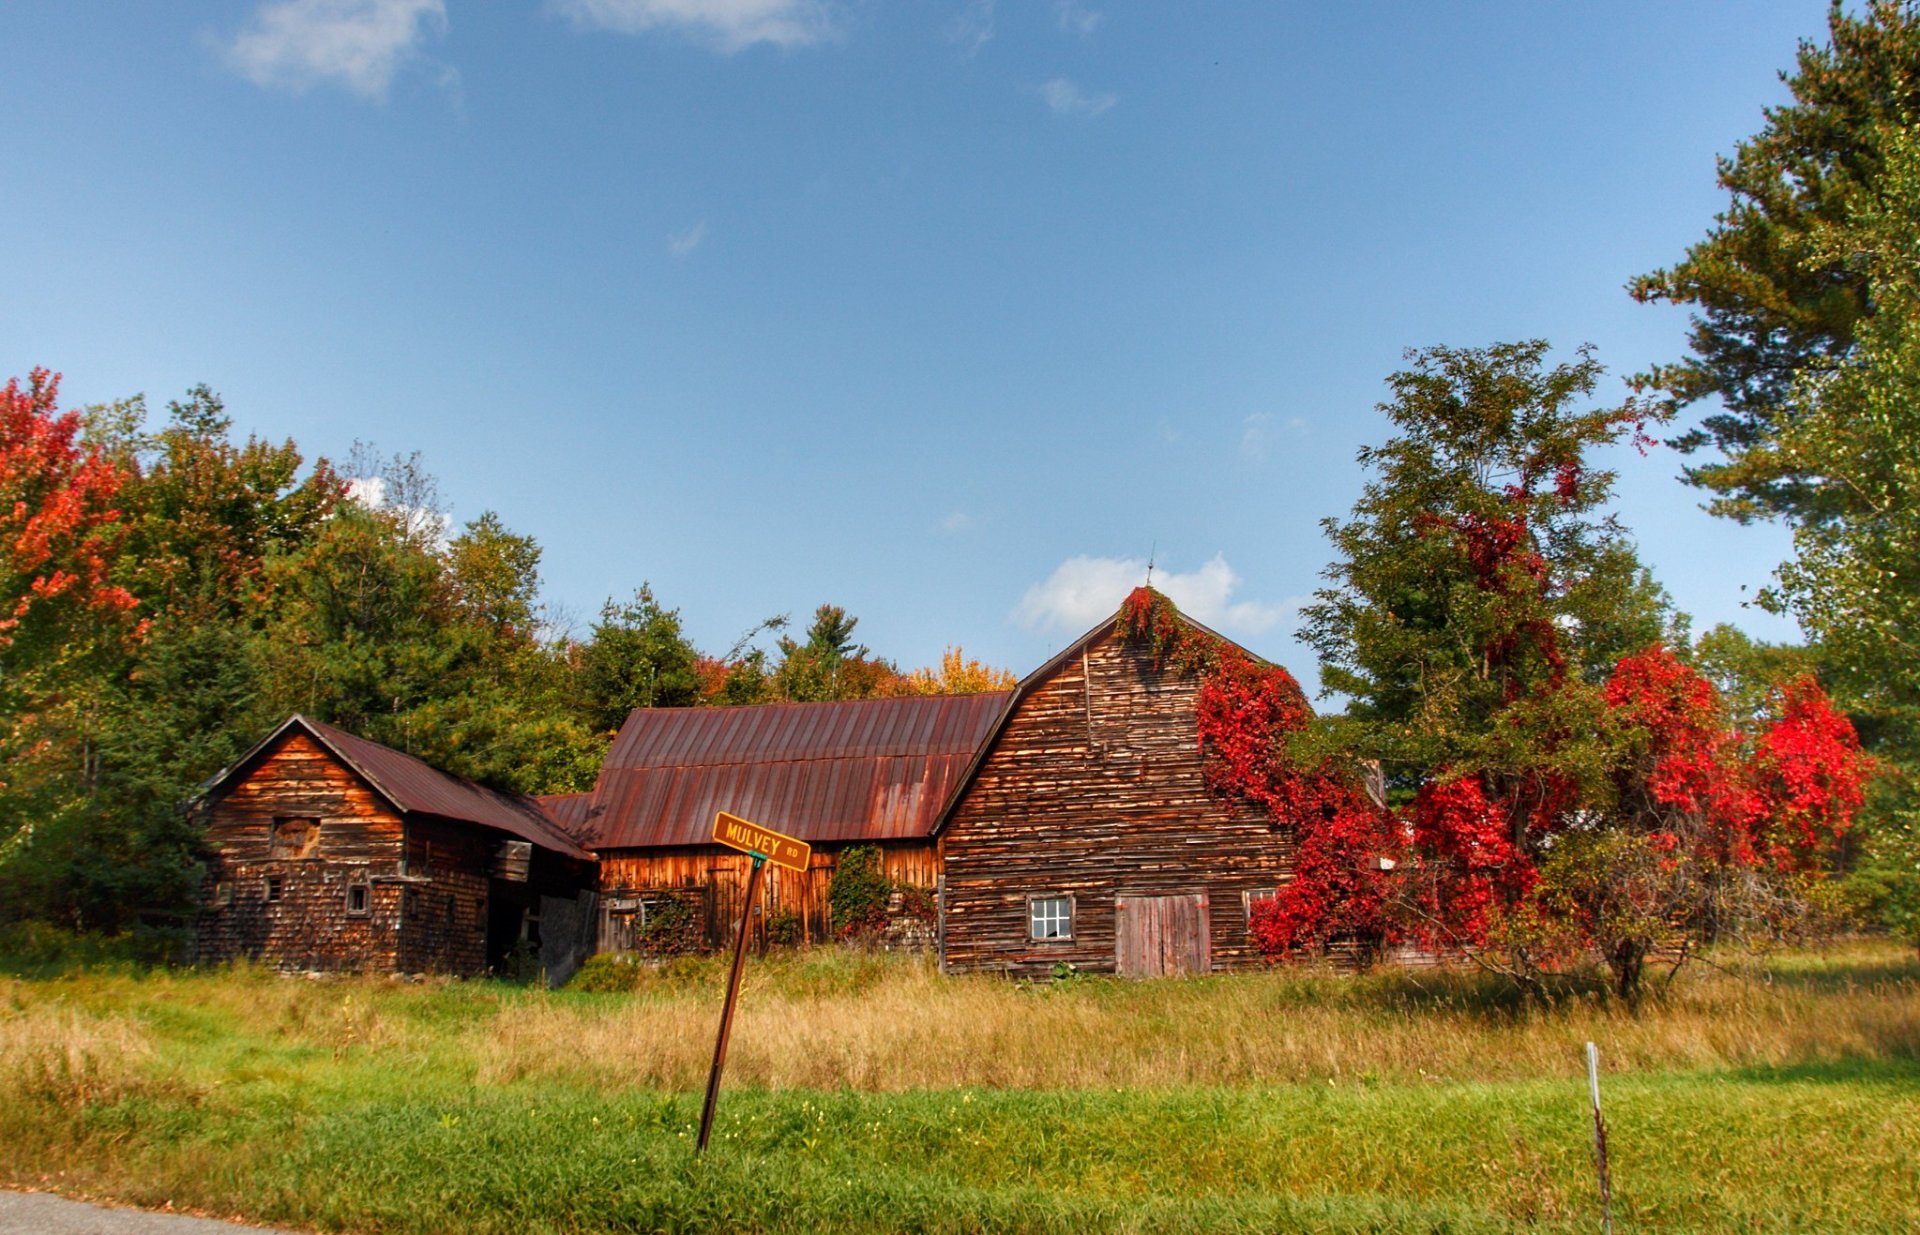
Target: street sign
(766, 845)
(737, 833)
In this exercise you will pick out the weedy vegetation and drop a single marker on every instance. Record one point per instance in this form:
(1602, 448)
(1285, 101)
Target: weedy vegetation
(865, 1092)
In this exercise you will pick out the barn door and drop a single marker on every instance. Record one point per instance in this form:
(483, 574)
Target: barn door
(1160, 936)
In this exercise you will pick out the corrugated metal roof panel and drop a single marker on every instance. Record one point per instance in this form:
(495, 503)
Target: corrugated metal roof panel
(866, 769)
(415, 786)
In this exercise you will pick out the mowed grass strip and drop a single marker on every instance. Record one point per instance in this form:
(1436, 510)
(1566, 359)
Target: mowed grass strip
(867, 1094)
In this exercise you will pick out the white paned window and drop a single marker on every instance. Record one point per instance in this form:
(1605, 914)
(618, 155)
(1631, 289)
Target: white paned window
(1050, 917)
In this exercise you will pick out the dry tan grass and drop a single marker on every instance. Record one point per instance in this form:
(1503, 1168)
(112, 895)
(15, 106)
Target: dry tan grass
(66, 1058)
(912, 1029)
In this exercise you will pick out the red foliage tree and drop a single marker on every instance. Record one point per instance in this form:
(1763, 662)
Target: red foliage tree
(58, 523)
(1548, 868)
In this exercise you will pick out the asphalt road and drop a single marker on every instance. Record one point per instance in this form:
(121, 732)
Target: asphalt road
(41, 1213)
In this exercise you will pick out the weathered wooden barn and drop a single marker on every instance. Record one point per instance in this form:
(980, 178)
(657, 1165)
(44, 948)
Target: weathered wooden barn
(872, 771)
(328, 851)
(1065, 822)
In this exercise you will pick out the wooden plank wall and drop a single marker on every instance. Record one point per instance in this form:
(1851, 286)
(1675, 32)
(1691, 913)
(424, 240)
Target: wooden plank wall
(443, 927)
(631, 872)
(1094, 789)
(309, 926)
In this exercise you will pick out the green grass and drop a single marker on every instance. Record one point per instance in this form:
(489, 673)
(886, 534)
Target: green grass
(1783, 1096)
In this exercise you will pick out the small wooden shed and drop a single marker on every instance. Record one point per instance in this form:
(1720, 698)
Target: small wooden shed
(328, 851)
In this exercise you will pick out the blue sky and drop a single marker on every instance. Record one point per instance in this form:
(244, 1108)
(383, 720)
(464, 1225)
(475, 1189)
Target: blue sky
(949, 313)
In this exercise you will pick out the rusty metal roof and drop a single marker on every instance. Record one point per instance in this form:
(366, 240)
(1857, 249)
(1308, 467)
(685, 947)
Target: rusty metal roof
(416, 787)
(569, 810)
(865, 769)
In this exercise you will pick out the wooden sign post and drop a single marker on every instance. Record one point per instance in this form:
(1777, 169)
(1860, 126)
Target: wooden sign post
(763, 845)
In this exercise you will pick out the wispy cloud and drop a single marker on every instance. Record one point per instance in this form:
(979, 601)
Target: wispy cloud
(1256, 437)
(1261, 431)
(972, 28)
(727, 25)
(682, 243)
(356, 44)
(956, 521)
(1083, 591)
(1066, 99)
(1077, 18)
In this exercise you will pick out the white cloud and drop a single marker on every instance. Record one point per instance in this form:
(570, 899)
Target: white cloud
(1076, 18)
(357, 44)
(423, 525)
(682, 243)
(1067, 99)
(972, 28)
(956, 521)
(1084, 591)
(1256, 437)
(369, 491)
(727, 25)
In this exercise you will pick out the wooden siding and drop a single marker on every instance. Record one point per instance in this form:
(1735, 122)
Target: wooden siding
(1092, 790)
(720, 877)
(308, 926)
(443, 926)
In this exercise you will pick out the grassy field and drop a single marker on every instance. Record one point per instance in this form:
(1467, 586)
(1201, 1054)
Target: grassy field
(867, 1093)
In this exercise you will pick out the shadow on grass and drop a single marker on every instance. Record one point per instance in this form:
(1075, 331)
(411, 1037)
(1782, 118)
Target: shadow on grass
(1901, 1073)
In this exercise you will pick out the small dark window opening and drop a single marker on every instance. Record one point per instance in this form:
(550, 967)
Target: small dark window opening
(450, 911)
(223, 894)
(359, 898)
(273, 888)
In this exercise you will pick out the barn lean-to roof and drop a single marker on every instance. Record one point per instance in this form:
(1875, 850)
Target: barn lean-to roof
(852, 770)
(414, 786)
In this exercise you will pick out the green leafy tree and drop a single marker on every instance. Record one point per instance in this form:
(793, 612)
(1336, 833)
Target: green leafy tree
(827, 664)
(496, 577)
(1774, 300)
(1481, 593)
(637, 656)
(1854, 580)
(1570, 785)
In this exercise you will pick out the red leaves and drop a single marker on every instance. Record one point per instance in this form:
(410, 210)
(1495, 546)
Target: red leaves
(1810, 774)
(1246, 710)
(58, 527)
(1465, 838)
(1785, 798)
(1690, 789)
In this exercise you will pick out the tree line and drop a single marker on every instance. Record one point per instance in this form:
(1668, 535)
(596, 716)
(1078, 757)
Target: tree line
(170, 593)
(1556, 763)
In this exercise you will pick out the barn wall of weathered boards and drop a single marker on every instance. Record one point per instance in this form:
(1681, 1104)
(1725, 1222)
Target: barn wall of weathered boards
(307, 866)
(711, 882)
(1087, 834)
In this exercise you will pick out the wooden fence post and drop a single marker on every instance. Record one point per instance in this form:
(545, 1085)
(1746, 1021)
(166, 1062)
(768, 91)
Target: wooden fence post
(1600, 1140)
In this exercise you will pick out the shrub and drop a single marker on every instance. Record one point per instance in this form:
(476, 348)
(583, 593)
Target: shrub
(784, 928)
(857, 893)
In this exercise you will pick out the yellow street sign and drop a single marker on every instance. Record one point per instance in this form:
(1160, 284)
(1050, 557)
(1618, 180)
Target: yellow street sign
(733, 831)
